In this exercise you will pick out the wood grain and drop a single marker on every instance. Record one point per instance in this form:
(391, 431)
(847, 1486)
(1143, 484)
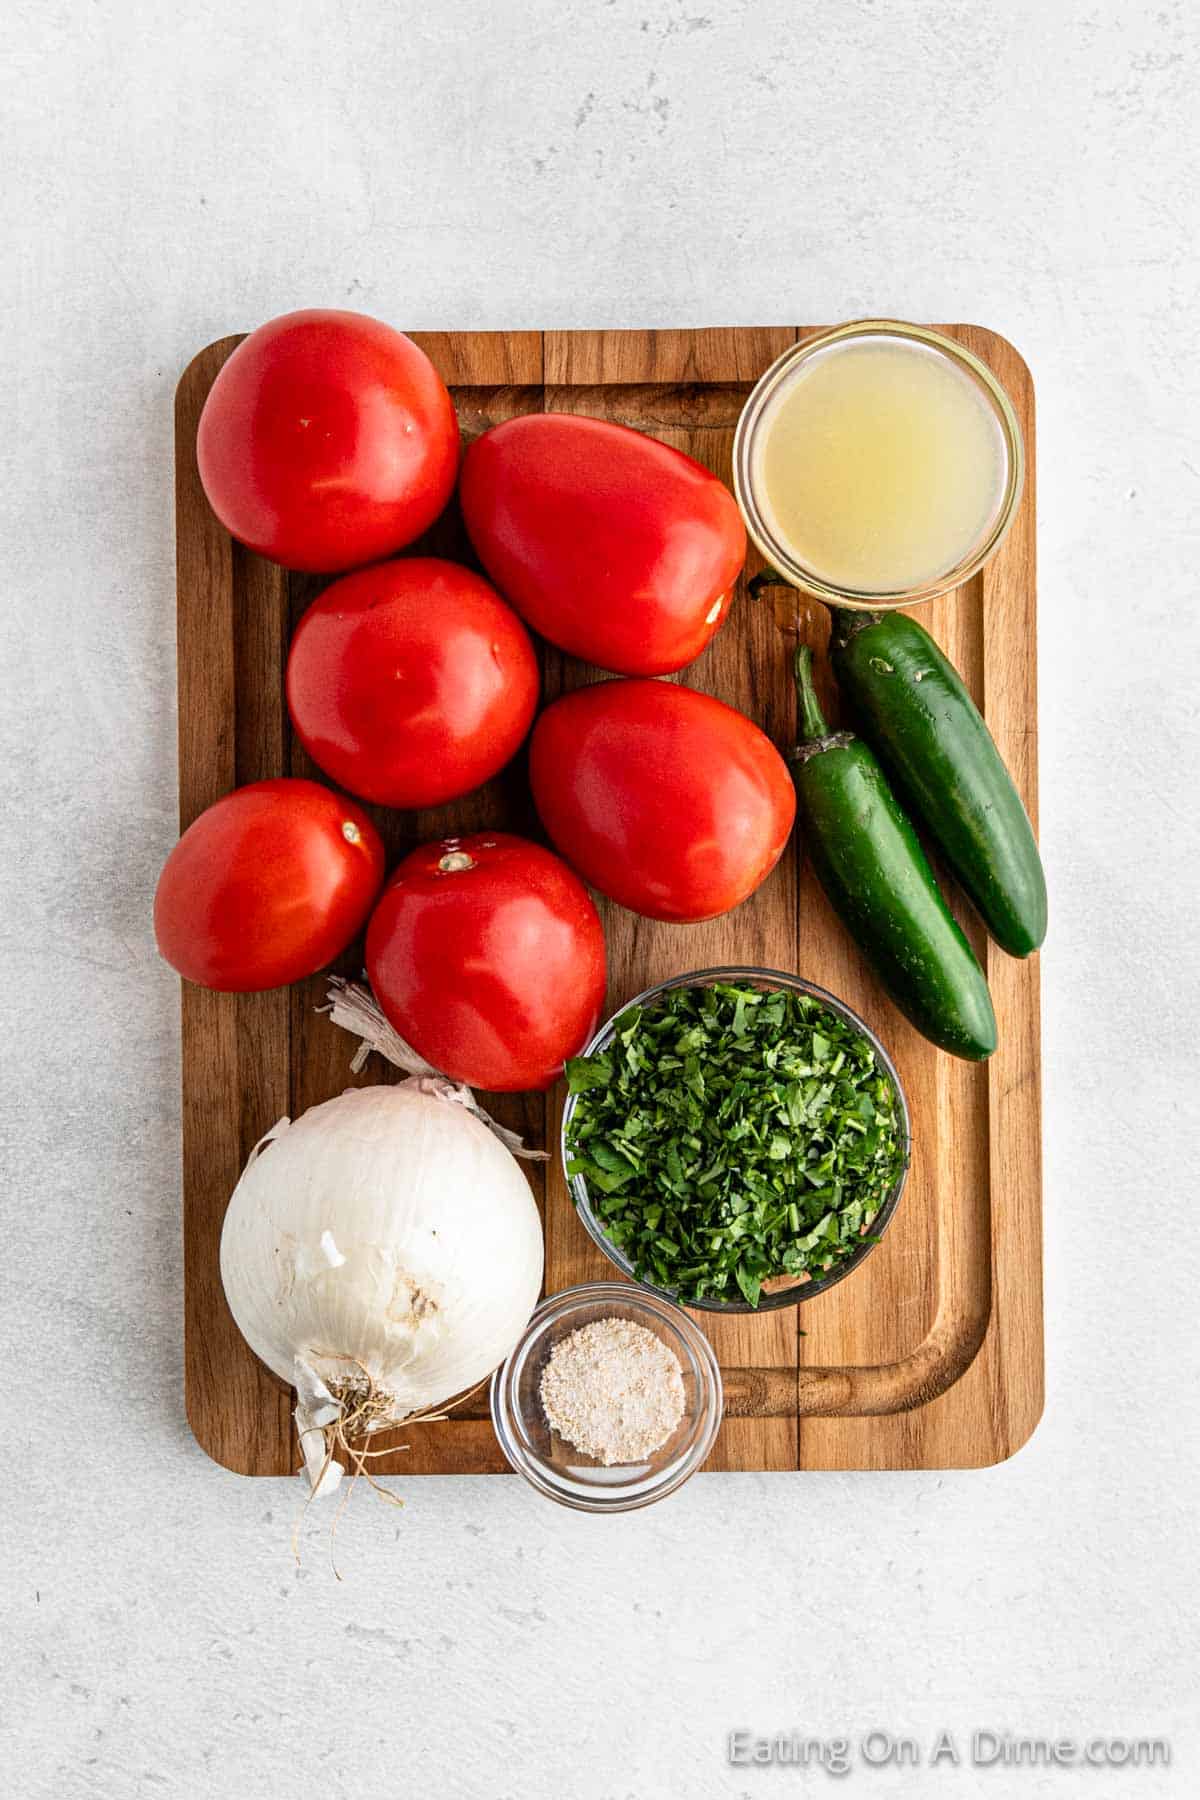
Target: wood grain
(235, 1046)
(931, 1355)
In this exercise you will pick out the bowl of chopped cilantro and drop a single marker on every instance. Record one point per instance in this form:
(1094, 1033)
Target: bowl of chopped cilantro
(736, 1139)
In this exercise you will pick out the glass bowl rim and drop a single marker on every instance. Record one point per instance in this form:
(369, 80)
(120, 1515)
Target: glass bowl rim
(802, 1291)
(710, 1410)
(790, 569)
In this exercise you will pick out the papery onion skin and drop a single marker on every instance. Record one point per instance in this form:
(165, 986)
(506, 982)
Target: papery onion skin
(437, 1231)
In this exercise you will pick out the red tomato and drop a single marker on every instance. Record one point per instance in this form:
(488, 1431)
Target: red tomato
(267, 886)
(665, 799)
(328, 440)
(487, 955)
(412, 682)
(612, 545)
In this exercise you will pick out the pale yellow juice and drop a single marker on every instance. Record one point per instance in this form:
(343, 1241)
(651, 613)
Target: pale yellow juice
(880, 464)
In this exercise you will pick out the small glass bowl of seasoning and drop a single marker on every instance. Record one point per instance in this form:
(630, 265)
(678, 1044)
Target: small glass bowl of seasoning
(610, 1400)
(803, 1049)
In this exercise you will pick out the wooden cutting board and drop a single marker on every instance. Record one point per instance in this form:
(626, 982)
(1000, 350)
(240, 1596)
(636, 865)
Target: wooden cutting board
(929, 1356)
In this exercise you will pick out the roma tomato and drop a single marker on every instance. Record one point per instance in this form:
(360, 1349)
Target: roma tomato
(487, 955)
(665, 799)
(267, 886)
(327, 440)
(612, 545)
(411, 682)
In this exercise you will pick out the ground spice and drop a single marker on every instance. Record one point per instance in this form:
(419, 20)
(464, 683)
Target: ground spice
(614, 1390)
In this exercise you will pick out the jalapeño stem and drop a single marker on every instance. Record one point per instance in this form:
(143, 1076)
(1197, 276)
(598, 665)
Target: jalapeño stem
(812, 719)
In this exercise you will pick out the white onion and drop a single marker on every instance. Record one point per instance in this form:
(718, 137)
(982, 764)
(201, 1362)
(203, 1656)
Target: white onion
(387, 1232)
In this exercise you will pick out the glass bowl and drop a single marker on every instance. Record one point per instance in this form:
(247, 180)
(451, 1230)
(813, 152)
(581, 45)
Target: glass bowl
(780, 1290)
(783, 560)
(554, 1467)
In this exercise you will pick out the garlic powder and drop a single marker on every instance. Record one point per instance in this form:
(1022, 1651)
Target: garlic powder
(614, 1390)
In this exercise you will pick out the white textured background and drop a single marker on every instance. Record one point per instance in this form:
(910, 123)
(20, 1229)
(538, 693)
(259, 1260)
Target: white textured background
(171, 174)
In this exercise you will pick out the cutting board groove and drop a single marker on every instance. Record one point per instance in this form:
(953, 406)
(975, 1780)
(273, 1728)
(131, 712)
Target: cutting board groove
(930, 1356)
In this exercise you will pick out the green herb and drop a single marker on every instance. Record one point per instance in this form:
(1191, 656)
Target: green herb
(730, 1135)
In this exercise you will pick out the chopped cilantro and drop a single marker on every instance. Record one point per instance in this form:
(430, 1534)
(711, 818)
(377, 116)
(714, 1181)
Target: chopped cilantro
(730, 1135)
